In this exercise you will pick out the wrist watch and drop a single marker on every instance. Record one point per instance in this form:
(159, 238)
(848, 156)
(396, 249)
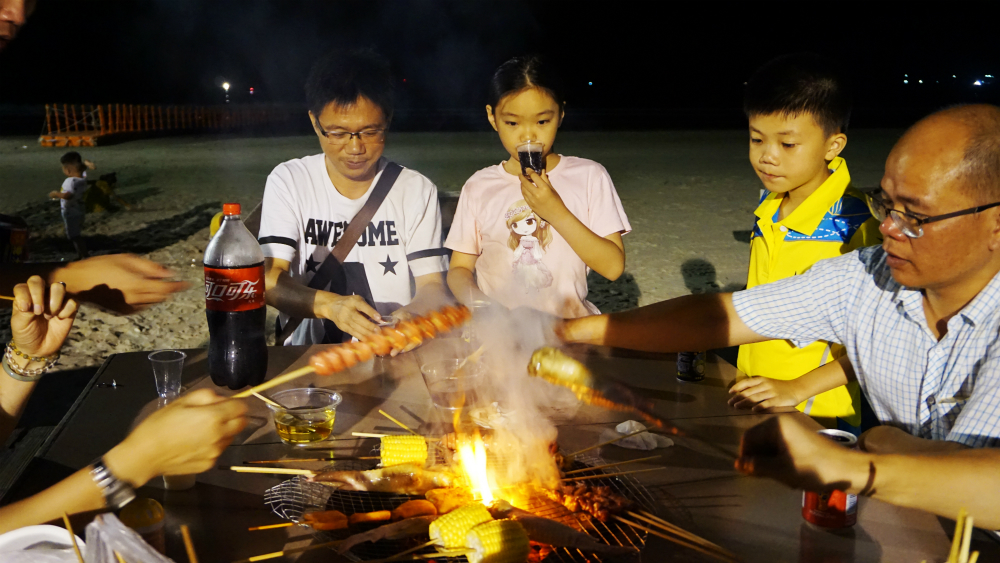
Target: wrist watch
(117, 493)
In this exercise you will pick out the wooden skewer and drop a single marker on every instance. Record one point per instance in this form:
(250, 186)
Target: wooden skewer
(118, 557)
(966, 540)
(275, 382)
(188, 545)
(305, 459)
(268, 401)
(678, 541)
(956, 540)
(277, 554)
(975, 557)
(271, 526)
(7, 297)
(72, 537)
(274, 470)
(606, 443)
(612, 464)
(619, 474)
(657, 521)
(398, 423)
(372, 435)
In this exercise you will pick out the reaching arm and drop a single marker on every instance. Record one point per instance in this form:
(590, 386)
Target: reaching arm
(692, 322)
(606, 255)
(787, 448)
(349, 312)
(185, 437)
(761, 393)
(461, 280)
(892, 440)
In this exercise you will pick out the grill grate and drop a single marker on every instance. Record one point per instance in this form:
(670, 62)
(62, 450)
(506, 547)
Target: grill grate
(296, 496)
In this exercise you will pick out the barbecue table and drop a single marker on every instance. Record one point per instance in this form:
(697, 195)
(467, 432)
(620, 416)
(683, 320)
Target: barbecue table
(699, 490)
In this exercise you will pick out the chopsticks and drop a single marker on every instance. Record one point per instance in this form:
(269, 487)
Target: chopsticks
(619, 474)
(679, 536)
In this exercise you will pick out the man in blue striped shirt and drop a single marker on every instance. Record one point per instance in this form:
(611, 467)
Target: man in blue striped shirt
(919, 316)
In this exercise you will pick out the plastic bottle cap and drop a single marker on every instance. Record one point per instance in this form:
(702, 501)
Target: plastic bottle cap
(230, 209)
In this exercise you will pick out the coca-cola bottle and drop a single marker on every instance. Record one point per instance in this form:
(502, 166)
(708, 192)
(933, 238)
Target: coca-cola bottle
(234, 304)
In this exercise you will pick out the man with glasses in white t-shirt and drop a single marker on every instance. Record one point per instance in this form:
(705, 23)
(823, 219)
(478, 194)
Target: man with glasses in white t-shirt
(396, 264)
(919, 316)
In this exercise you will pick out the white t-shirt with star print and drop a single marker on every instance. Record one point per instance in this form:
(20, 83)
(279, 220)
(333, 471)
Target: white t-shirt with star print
(303, 216)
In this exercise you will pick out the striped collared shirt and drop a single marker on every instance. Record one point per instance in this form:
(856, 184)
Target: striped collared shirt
(942, 390)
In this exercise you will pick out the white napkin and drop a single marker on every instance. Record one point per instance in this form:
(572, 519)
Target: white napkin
(641, 441)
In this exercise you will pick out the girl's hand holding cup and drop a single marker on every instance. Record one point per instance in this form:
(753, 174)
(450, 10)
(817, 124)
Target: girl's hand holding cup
(541, 196)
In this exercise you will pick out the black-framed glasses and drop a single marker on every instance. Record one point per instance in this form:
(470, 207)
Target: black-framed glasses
(911, 224)
(339, 138)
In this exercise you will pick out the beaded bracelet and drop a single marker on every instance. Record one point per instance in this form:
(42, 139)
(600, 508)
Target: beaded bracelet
(24, 374)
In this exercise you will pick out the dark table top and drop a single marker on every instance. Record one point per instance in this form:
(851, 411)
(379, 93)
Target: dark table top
(699, 490)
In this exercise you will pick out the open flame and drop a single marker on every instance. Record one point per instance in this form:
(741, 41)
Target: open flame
(472, 454)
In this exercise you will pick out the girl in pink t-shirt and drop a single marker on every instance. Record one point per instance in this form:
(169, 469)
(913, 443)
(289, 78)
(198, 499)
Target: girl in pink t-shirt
(524, 237)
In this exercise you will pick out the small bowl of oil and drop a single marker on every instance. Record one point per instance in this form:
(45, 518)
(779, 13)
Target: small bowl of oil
(307, 415)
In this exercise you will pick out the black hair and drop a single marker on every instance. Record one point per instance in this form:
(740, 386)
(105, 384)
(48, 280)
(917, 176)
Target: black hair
(521, 73)
(981, 158)
(800, 83)
(73, 160)
(343, 76)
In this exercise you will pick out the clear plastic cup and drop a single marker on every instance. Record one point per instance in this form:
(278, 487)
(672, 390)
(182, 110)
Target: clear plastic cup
(307, 417)
(167, 368)
(530, 156)
(450, 388)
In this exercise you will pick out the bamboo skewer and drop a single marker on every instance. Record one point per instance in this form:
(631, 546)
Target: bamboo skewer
(188, 545)
(657, 521)
(619, 474)
(274, 404)
(374, 435)
(606, 443)
(273, 470)
(956, 541)
(7, 297)
(118, 557)
(963, 554)
(310, 459)
(271, 526)
(398, 423)
(275, 382)
(679, 541)
(277, 554)
(72, 537)
(612, 464)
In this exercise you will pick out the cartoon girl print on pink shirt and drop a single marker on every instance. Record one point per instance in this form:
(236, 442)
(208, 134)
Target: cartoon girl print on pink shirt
(529, 236)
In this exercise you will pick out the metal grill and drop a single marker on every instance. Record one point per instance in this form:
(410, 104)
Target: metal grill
(296, 496)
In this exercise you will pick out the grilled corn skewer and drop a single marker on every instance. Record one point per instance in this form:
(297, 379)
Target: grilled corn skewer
(499, 541)
(450, 530)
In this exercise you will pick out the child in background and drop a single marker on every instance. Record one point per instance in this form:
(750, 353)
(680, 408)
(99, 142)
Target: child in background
(798, 110)
(528, 240)
(71, 200)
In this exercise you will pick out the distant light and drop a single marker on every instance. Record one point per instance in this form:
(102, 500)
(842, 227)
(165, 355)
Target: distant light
(977, 83)
(953, 76)
(989, 76)
(906, 76)
(225, 86)
(404, 80)
(251, 91)
(590, 84)
(920, 81)
(906, 82)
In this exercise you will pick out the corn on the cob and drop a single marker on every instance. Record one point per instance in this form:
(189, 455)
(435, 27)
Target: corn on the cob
(500, 541)
(397, 450)
(451, 529)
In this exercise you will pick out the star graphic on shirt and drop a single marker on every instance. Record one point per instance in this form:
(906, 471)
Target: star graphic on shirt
(389, 266)
(311, 264)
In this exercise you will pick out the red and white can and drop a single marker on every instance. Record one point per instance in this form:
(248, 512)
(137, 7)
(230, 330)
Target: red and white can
(834, 509)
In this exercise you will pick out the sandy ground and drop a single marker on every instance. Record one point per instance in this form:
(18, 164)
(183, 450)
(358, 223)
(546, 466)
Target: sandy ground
(689, 195)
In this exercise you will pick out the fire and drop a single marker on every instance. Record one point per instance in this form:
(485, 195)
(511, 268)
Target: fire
(473, 459)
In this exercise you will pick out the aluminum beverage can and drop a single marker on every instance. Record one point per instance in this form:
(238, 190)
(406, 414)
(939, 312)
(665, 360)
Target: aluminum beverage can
(834, 509)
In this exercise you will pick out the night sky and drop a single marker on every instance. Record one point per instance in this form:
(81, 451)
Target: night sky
(643, 58)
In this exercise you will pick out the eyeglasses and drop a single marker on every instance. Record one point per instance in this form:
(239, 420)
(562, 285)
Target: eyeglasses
(339, 138)
(911, 224)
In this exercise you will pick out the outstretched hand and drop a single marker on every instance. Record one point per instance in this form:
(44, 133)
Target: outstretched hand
(41, 318)
(762, 393)
(124, 283)
(182, 438)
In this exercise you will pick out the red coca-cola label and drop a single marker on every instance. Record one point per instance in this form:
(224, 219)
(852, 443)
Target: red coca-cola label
(234, 289)
(835, 509)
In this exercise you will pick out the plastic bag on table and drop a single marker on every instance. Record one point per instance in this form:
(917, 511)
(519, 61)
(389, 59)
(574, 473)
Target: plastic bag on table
(107, 535)
(642, 441)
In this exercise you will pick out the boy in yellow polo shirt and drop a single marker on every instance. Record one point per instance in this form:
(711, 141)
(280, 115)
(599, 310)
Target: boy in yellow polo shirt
(798, 111)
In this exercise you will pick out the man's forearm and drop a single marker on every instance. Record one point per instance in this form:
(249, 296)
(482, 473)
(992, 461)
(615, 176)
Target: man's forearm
(692, 322)
(76, 493)
(291, 297)
(892, 440)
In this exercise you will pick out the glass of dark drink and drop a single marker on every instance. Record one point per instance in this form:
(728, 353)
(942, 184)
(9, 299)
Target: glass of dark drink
(530, 155)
